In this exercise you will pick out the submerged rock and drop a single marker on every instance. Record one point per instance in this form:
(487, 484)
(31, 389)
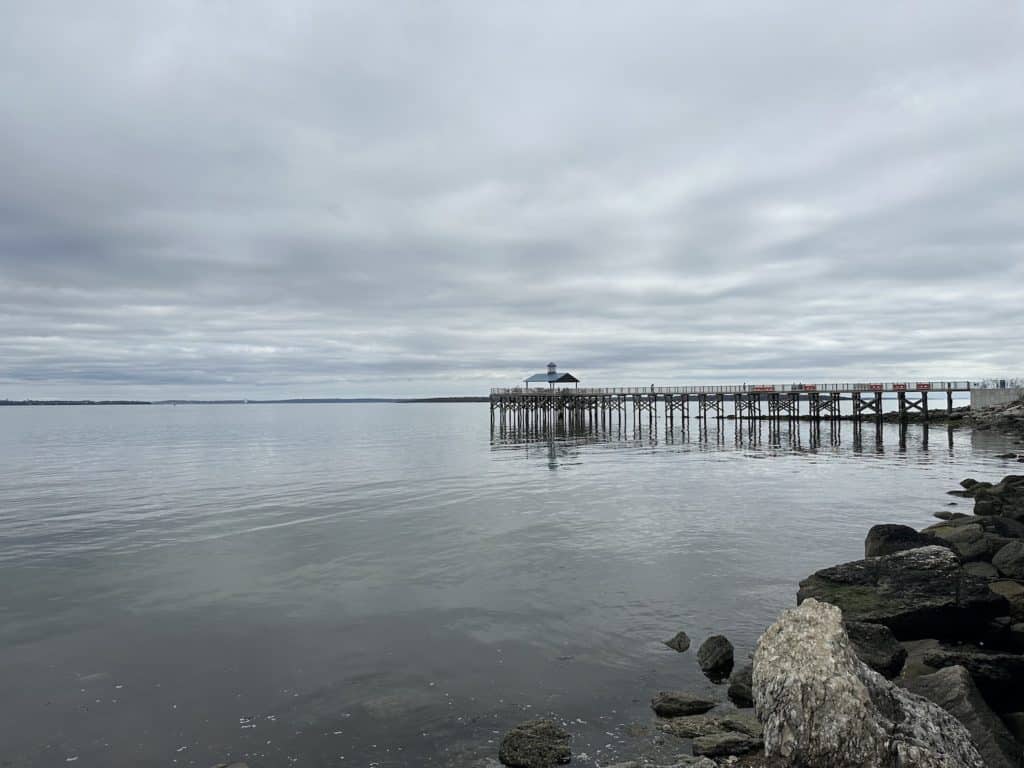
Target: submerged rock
(678, 704)
(877, 646)
(953, 689)
(726, 743)
(821, 706)
(535, 744)
(715, 657)
(740, 684)
(679, 643)
(916, 593)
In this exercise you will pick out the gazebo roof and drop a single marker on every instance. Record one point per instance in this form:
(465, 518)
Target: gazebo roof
(553, 378)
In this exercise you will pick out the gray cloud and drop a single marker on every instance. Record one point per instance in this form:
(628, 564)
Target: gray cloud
(322, 199)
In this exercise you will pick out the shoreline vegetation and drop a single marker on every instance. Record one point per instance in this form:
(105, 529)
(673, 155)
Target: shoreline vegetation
(912, 657)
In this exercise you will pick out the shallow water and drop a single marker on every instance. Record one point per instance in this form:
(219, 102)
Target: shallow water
(393, 584)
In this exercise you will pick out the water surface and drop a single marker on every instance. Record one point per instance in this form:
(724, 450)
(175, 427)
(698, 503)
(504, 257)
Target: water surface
(393, 585)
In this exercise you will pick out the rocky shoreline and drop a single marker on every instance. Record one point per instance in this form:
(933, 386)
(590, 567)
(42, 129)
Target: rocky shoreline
(910, 657)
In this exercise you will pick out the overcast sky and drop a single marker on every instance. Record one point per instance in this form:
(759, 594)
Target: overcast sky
(220, 198)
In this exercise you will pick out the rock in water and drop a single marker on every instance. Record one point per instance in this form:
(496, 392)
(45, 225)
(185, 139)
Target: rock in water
(535, 744)
(679, 643)
(916, 593)
(887, 539)
(877, 647)
(953, 689)
(821, 706)
(740, 683)
(678, 704)
(725, 743)
(715, 657)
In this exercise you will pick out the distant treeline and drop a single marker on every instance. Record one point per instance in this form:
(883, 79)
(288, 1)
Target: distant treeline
(252, 402)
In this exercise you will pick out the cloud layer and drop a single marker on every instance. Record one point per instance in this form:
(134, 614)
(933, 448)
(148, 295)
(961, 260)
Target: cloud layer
(220, 199)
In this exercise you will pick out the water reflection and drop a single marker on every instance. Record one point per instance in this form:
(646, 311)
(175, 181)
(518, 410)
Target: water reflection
(562, 441)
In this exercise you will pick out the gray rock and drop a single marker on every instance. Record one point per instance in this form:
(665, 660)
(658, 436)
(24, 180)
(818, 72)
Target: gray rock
(943, 515)
(715, 657)
(678, 704)
(1016, 637)
(1010, 560)
(915, 665)
(535, 744)
(1013, 593)
(679, 643)
(740, 683)
(889, 538)
(821, 706)
(693, 726)
(916, 593)
(1006, 455)
(999, 676)
(981, 569)
(726, 743)
(953, 689)
(1014, 722)
(877, 647)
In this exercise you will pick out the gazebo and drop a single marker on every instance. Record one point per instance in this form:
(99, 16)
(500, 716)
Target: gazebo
(552, 377)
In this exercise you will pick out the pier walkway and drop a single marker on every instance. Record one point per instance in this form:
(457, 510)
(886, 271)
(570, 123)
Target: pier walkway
(525, 407)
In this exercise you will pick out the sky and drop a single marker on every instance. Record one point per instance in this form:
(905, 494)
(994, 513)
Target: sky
(225, 199)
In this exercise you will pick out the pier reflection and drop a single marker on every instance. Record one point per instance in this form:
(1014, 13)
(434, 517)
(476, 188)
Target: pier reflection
(563, 441)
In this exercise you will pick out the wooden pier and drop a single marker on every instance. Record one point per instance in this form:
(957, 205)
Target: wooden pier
(620, 407)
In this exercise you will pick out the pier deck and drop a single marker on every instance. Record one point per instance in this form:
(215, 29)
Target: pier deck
(606, 406)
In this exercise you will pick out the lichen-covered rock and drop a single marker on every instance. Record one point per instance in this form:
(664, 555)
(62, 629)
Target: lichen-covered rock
(679, 704)
(889, 538)
(821, 706)
(740, 682)
(953, 689)
(679, 643)
(877, 647)
(916, 593)
(535, 744)
(715, 657)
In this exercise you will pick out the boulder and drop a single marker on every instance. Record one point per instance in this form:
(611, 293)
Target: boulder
(1013, 593)
(916, 593)
(1010, 559)
(715, 657)
(953, 689)
(679, 643)
(981, 569)
(740, 682)
(1014, 722)
(1016, 637)
(877, 647)
(821, 706)
(678, 704)
(889, 538)
(726, 743)
(999, 676)
(535, 744)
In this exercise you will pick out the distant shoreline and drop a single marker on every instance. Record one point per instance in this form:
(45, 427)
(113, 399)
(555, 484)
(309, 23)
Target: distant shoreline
(295, 401)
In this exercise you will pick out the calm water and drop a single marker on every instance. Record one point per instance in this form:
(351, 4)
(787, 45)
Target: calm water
(389, 585)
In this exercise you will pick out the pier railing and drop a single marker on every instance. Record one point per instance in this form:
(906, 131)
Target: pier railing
(740, 389)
